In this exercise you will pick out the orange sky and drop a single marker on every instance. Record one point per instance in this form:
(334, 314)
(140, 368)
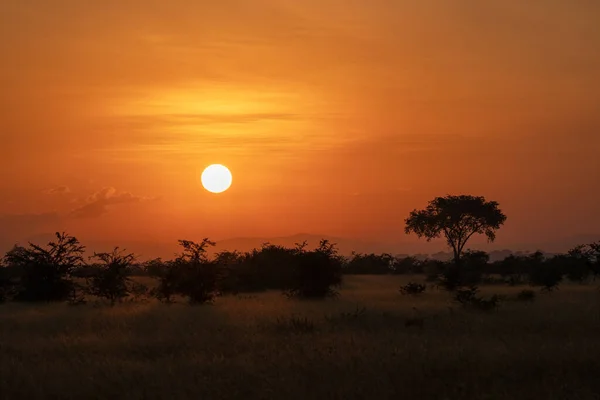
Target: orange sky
(335, 117)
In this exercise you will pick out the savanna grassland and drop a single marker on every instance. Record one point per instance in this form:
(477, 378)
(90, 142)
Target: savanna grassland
(267, 346)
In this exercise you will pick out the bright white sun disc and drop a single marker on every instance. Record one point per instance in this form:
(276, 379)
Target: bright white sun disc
(216, 178)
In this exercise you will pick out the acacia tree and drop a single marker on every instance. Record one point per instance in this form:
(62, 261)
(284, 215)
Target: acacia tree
(457, 218)
(45, 273)
(112, 280)
(196, 276)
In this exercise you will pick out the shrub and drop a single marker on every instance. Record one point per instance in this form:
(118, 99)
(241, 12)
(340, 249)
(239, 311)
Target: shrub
(546, 274)
(371, 264)
(168, 279)
(45, 274)
(316, 273)
(194, 275)
(407, 265)
(412, 288)
(295, 325)
(111, 281)
(7, 285)
(465, 296)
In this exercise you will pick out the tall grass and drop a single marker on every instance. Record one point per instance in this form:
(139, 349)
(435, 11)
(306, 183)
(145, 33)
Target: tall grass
(266, 346)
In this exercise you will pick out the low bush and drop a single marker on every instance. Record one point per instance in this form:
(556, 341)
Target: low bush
(412, 288)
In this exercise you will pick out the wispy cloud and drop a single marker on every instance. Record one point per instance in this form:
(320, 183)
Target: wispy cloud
(99, 203)
(57, 190)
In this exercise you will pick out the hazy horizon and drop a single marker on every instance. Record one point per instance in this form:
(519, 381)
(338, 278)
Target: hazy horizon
(334, 117)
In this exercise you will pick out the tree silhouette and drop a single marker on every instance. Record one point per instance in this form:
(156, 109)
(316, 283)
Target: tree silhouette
(458, 218)
(45, 274)
(112, 280)
(196, 276)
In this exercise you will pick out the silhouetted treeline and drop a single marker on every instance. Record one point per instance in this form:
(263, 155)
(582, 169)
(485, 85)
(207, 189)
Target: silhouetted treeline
(59, 271)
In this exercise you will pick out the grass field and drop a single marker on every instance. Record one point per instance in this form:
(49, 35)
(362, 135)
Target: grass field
(268, 347)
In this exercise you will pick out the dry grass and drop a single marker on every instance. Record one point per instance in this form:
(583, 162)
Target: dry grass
(268, 347)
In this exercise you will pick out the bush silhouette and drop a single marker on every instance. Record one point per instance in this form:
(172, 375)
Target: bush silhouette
(514, 269)
(196, 277)
(7, 285)
(316, 273)
(465, 296)
(412, 288)
(45, 273)
(112, 281)
(371, 264)
(545, 273)
(407, 265)
(168, 277)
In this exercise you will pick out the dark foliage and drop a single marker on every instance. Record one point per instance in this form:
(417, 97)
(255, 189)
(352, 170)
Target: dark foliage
(468, 298)
(465, 296)
(372, 264)
(513, 269)
(269, 268)
(7, 285)
(407, 265)
(316, 272)
(111, 281)
(545, 273)
(44, 274)
(197, 277)
(457, 218)
(168, 279)
(412, 288)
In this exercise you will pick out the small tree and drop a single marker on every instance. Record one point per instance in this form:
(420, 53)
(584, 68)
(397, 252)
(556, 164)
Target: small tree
(45, 273)
(196, 277)
(458, 218)
(316, 272)
(112, 279)
(545, 273)
(168, 276)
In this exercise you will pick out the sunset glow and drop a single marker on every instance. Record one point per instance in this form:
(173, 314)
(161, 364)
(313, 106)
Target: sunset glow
(337, 117)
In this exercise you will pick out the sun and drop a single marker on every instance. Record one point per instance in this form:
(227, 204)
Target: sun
(216, 178)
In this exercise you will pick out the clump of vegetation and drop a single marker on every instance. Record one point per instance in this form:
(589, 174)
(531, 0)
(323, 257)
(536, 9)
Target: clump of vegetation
(111, 281)
(45, 274)
(295, 325)
(316, 273)
(412, 289)
(196, 277)
(168, 278)
(545, 273)
(191, 275)
(465, 296)
(7, 285)
(468, 298)
(526, 295)
(458, 218)
(484, 304)
(370, 264)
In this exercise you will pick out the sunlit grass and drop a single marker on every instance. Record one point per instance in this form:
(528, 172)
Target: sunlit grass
(266, 346)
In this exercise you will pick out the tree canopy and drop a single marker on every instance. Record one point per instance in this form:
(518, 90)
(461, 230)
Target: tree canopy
(457, 218)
